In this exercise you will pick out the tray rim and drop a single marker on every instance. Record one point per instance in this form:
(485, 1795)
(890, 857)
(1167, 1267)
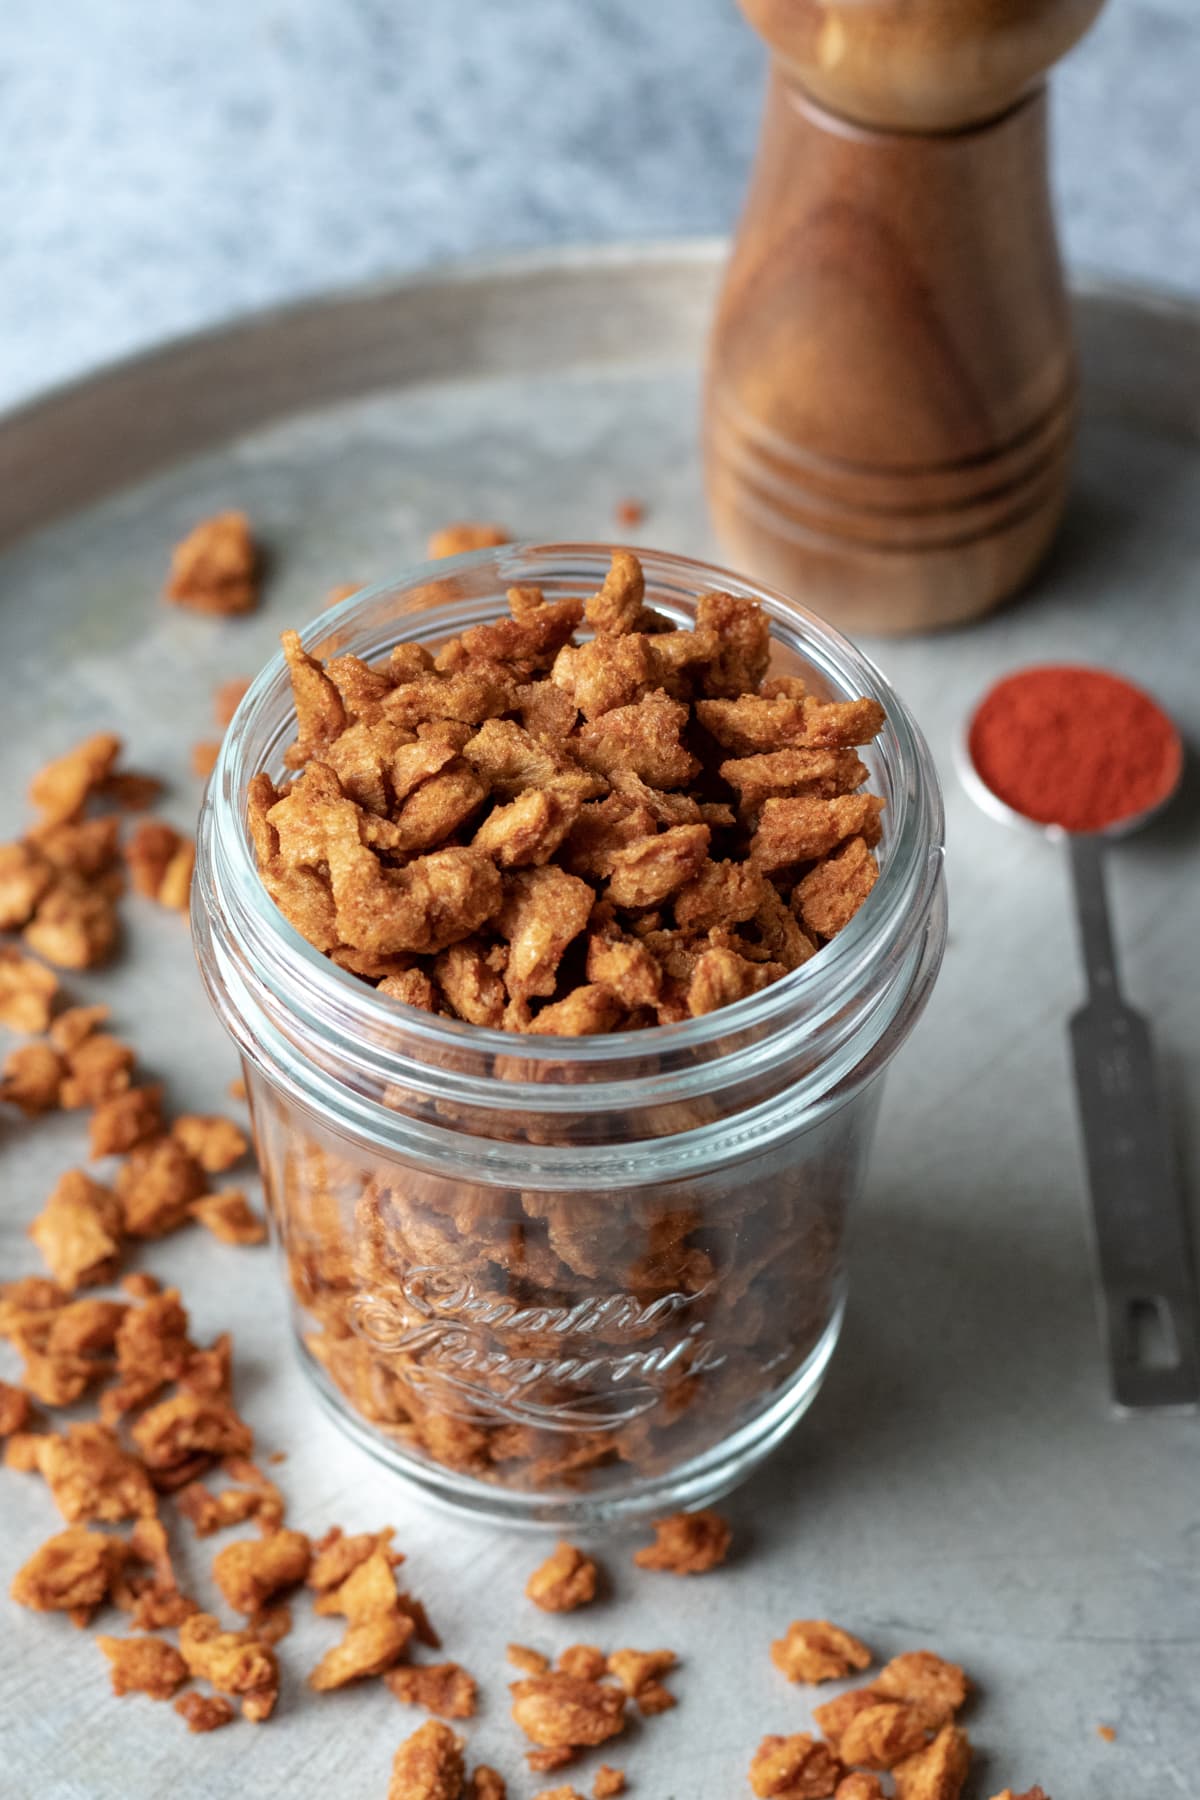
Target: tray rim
(55, 413)
(452, 272)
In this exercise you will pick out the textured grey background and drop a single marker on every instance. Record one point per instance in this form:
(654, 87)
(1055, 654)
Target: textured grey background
(163, 166)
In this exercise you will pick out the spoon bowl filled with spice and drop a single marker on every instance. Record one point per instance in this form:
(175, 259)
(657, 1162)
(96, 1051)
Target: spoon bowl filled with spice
(1071, 750)
(1084, 756)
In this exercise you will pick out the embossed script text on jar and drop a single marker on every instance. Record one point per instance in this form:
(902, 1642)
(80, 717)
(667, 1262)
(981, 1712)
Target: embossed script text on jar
(437, 1316)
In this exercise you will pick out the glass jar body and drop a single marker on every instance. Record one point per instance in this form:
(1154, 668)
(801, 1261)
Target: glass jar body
(566, 1280)
(564, 1353)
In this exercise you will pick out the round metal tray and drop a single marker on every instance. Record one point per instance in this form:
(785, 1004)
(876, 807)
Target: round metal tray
(960, 1483)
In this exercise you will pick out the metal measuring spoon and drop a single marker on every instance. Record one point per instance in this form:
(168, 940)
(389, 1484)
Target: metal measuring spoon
(1150, 1304)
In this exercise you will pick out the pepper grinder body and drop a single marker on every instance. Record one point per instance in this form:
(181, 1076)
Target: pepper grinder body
(891, 387)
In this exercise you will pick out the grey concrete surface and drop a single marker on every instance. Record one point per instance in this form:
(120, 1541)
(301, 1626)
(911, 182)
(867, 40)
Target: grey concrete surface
(166, 166)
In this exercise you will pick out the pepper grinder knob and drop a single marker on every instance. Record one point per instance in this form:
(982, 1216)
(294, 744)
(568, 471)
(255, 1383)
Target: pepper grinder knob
(891, 386)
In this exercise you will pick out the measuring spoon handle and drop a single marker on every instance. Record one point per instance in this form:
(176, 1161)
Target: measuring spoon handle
(1151, 1305)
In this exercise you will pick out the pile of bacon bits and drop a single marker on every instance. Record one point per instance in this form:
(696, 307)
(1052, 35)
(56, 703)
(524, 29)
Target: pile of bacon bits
(169, 1447)
(60, 882)
(900, 1728)
(58, 887)
(166, 1447)
(530, 833)
(163, 1177)
(583, 1699)
(896, 1737)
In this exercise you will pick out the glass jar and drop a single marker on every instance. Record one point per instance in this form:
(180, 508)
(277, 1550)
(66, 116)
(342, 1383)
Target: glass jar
(566, 1279)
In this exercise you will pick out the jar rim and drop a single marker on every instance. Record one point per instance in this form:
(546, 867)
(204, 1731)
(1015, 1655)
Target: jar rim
(875, 941)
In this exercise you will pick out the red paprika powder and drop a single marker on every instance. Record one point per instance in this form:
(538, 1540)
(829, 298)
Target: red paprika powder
(1074, 747)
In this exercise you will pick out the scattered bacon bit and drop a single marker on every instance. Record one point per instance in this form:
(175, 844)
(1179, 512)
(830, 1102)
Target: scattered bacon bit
(560, 1712)
(98, 1066)
(210, 1513)
(21, 1451)
(638, 1672)
(83, 1326)
(212, 1141)
(125, 1120)
(176, 890)
(629, 513)
(687, 1543)
(378, 1630)
(336, 1556)
(938, 1772)
(156, 1186)
(15, 1410)
(91, 1477)
(203, 758)
(444, 1688)
(934, 1688)
(204, 1712)
(25, 874)
(882, 1734)
(144, 1665)
(78, 1231)
(466, 534)
(428, 1765)
(566, 1580)
(27, 992)
(153, 1348)
(542, 1762)
(271, 1624)
(255, 1570)
(60, 790)
(836, 1716)
(230, 1217)
(72, 1572)
(81, 847)
(71, 1027)
(161, 861)
(32, 1079)
(75, 925)
(1107, 1732)
(215, 568)
(154, 1601)
(23, 1300)
(532, 1661)
(234, 1662)
(170, 1434)
(813, 1650)
(140, 1284)
(859, 1785)
(131, 791)
(587, 1661)
(798, 1767)
(485, 1783)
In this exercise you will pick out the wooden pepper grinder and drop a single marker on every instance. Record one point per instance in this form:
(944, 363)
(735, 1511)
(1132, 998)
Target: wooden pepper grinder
(891, 385)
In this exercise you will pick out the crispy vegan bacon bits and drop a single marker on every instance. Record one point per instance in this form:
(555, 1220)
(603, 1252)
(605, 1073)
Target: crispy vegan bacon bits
(216, 567)
(166, 1451)
(527, 832)
(902, 1723)
(541, 835)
